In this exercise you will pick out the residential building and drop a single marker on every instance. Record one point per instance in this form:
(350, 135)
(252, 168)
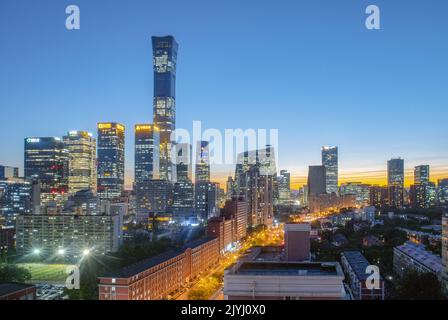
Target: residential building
(355, 267)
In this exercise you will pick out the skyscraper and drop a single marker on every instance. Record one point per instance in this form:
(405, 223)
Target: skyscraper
(183, 192)
(422, 190)
(147, 141)
(330, 162)
(442, 192)
(82, 174)
(316, 180)
(183, 162)
(254, 175)
(202, 172)
(395, 182)
(284, 185)
(110, 160)
(164, 105)
(46, 161)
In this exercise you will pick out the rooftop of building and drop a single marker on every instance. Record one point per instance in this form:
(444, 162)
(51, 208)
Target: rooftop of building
(146, 264)
(421, 255)
(285, 268)
(12, 287)
(358, 262)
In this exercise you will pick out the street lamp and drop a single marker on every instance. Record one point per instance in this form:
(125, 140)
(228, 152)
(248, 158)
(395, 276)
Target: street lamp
(36, 251)
(61, 252)
(85, 252)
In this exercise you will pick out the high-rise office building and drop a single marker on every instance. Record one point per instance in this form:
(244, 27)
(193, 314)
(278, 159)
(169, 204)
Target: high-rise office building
(16, 198)
(183, 191)
(153, 196)
(81, 148)
(360, 190)
(46, 161)
(183, 162)
(8, 172)
(183, 197)
(164, 105)
(423, 192)
(202, 172)
(421, 175)
(147, 141)
(395, 182)
(284, 185)
(254, 175)
(110, 160)
(330, 162)
(316, 180)
(442, 192)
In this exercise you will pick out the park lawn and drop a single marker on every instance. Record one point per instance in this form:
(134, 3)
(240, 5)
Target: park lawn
(46, 272)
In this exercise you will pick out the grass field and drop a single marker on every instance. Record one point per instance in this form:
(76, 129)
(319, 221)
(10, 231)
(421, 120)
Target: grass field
(46, 272)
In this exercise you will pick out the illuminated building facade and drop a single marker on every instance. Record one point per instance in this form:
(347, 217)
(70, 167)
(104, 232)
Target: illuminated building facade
(46, 161)
(153, 196)
(160, 277)
(16, 198)
(164, 107)
(82, 173)
(202, 180)
(284, 186)
(147, 141)
(395, 182)
(330, 162)
(360, 190)
(110, 160)
(442, 192)
(255, 174)
(74, 234)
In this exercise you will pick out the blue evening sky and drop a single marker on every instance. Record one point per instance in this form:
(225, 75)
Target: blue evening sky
(309, 68)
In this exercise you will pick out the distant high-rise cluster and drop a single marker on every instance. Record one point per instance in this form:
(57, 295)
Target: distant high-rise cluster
(395, 182)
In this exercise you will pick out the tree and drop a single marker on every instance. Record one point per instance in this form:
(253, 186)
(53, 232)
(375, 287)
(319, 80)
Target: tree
(13, 273)
(418, 286)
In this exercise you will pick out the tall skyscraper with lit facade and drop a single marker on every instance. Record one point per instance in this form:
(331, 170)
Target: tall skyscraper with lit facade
(330, 162)
(442, 192)
(46, 161)
(164, 104)
(82, 173)
(147, 140)
(395, 182)
(110, 160)
(423, 192)
(202, 179)
(284, 185)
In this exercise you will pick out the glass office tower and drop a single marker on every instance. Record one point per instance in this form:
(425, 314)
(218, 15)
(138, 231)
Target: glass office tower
(46, 161)
(164, 104)
(110, 160)
(82, 174)
(330, 162)
(147, 142)
(395, 182)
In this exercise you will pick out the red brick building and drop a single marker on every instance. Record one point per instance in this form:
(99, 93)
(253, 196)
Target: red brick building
(158, 277)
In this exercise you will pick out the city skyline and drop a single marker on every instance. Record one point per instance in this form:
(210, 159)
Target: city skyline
(122, 81)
